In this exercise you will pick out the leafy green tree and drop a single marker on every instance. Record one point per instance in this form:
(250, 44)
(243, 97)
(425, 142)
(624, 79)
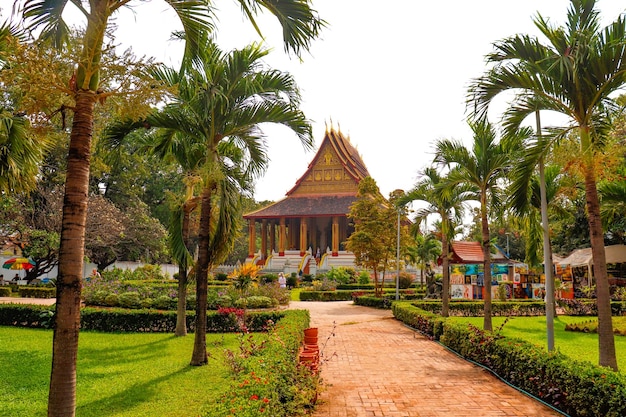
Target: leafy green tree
(373, 241)
(575, 74)
(482, 167)
(300, 26)
(446, 201)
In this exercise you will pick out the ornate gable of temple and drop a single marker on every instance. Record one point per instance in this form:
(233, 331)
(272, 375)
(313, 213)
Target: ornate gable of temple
(337, 168)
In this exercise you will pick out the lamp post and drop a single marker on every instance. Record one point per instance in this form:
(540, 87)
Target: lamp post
(398, 259)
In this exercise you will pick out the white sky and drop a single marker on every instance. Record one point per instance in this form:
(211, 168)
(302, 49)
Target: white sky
(391, 75)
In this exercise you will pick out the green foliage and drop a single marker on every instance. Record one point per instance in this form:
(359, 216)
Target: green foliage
(159, 294)
(133, 320)
(292, 281)
(268, 278)
(342, 275)
(5, 291)
(370, 301)
(267, 379)
(476, 308)
(405, 280)
(325, 295)
(129, 299)
(37, 292)
(259, 301)
(142, 273)
(324, 285)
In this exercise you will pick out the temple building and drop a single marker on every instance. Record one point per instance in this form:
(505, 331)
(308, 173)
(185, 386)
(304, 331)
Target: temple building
(306, 231)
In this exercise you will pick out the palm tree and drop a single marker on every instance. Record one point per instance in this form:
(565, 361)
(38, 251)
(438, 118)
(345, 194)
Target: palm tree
(222, 99)
(300, 26)
(447, 202)
(481, 167)
(425, 251)
(575, 74)
(20, 153)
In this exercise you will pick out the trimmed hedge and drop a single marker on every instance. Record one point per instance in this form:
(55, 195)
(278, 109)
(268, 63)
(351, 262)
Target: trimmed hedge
(37, 292)
(589, 307)
(579, 389)
(341, 295)
(138, 321)
(476, 308)
(371, 301)
(5, 291)
(347, 295)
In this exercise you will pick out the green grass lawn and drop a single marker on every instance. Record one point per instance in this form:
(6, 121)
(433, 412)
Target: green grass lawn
(576, 345)
(118, 374)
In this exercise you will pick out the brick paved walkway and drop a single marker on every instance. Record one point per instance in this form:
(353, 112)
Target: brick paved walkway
(375, 366)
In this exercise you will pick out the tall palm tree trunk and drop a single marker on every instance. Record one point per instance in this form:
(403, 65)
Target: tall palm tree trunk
(487, 265)
(199, 356)
(62, 393)
(445, 285)
(547, 248)
(181, 308)
(605, 320)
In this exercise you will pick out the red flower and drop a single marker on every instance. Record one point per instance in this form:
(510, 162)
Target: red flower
(254, 397)
(266, 400)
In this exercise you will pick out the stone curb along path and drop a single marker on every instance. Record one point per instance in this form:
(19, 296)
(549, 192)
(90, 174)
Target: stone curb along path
(373, 365)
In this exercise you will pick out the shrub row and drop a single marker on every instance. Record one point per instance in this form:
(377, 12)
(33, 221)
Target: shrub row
(586, 307)
(139, 321)
(5, 291)
(371, 301)
(267, 379)
(476, 308)
(341, 295)
(37, 292)
(346, 295)
(579, 389)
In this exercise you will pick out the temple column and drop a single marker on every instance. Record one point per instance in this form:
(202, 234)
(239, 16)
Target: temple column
(264, 238)
(303, 233)
(324, 235)
(292, 234)
(314, 243)
(272, 236)
(335, 236)
(251, 238)
(282, 237)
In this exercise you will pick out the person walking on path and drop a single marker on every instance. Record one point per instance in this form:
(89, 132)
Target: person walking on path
(373, 365)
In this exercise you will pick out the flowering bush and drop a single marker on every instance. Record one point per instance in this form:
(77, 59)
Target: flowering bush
(244, 275)
(324, 285)
(268, 380)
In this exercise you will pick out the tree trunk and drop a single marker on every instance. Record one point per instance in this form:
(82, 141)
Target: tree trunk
(199, 356)
(487, 264)
(62, 394)
(605, 320)
(181, 307)
(445, 284)
(181, 310)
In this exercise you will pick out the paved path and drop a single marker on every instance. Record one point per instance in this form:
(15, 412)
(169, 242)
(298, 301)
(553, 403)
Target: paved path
(375, 366)
(15, 300)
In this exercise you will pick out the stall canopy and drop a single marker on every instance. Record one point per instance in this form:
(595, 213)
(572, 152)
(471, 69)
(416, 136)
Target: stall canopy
(615, 254)
(472, 253)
